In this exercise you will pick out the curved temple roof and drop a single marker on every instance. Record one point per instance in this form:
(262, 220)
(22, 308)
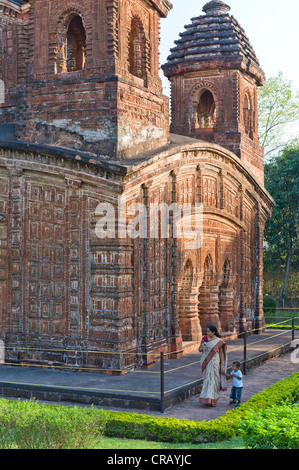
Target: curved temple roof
(214, 37)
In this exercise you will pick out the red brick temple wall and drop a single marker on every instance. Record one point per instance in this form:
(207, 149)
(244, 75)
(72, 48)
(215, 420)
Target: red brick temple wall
(84, 135)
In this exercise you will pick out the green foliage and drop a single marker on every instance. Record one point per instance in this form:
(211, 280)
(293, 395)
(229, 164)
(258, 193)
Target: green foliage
(282, 182)
(135, 426)
(282, 229)
(281, 327)
(278, 107)
(282, 319)
(29, 425)
(272, 428)
(273, 281)
(269, 304)
(121, 443)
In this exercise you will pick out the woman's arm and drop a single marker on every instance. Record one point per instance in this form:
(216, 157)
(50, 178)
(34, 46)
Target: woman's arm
(221, 354)
(203, 339)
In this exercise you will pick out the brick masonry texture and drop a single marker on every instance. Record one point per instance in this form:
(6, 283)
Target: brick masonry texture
(101, 108)
(84, 97)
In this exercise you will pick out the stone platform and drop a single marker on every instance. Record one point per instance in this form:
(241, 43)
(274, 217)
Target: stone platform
(139, 389)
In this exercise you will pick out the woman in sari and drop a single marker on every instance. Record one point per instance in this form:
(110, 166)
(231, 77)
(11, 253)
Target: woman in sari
(214, 365)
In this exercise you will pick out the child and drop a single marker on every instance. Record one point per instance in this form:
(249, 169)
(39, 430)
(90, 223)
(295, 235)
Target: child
(236, 391)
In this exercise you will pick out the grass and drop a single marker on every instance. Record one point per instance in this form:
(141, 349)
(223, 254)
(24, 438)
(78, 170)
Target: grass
(116, 443)
(28, 424)
(15, 415)
(281, 316)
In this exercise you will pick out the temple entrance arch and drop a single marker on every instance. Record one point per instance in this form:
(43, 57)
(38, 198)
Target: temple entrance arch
(187, 306)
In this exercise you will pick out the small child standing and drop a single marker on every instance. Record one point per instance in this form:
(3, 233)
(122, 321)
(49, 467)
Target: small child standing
(237, 388)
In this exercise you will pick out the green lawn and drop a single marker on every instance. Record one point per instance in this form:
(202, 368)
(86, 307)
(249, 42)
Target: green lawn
(114, 443)
(281, 316)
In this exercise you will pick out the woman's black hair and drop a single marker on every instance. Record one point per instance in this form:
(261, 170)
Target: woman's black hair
(214, 330)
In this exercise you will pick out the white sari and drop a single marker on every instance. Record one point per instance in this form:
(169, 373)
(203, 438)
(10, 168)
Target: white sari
(213, 378)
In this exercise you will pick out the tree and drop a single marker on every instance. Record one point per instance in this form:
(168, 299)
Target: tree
(282, 230)
(278, 108)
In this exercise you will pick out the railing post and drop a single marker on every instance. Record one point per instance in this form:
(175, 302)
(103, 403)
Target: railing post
(162, 381)
(293, 328)
(245, 352)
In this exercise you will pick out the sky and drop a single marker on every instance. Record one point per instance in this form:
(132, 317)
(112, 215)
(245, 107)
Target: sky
(272, 27)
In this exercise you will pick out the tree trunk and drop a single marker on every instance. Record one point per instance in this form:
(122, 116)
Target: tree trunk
(286, 275)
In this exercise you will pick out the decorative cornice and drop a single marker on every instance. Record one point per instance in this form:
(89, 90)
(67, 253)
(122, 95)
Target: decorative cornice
(69, 157)
(182, 146)
(163, 6)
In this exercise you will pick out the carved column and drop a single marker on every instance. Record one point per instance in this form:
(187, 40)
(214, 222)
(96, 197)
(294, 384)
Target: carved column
(194, 115)
(16, 289)
(259, 320)
(208, 307)
(187, 303)
(5, 257)
(241, 267)
(175, 332)
(226, 298)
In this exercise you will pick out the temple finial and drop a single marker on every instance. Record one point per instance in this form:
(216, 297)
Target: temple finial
(216, 7)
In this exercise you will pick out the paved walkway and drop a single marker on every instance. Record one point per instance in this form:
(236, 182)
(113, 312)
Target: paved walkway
(177, 374)
(256, 380)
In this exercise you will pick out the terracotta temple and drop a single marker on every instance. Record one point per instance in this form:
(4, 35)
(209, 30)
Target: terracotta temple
(85, 131)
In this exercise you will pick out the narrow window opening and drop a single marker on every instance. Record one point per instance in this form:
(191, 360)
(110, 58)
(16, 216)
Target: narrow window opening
(137, 49)
(206, 110)
(226, 274)
(248, 116)
(75, 45)
(208, 272)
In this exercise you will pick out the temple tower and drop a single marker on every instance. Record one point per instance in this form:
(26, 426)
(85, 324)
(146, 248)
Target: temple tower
(214, 75)
(92, 77)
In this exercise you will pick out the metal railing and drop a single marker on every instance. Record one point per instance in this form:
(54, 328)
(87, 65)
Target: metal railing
(161, 358)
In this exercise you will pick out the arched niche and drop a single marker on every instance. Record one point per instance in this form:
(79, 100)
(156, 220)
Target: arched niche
(71, 50)
(226, 295)
(75, 44)
(208, 297)
(138, 49)
(206, 110)
(187, 305)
